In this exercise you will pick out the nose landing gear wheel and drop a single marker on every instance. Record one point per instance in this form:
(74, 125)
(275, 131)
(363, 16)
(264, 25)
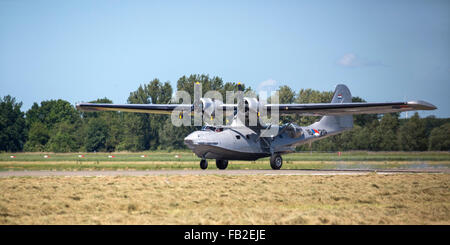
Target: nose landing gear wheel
(203, 164)
(221, 164)
(276, 161)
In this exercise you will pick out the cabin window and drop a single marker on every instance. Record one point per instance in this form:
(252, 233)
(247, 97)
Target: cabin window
(208, 128)
(238, 137)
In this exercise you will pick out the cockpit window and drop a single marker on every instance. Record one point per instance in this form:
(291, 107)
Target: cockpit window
(238, 137)
(211, 128)
(208, 128)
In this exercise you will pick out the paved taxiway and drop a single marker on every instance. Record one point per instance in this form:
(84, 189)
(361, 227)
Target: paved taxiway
(217, 172)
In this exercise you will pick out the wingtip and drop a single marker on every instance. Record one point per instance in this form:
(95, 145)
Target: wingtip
(82, 106)
(422, 105)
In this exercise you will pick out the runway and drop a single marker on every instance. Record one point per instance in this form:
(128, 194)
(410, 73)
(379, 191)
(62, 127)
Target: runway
(88, 173)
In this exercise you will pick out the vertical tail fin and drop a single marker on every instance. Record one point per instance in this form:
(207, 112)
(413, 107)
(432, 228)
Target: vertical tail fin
(334, 124)
(342, 94)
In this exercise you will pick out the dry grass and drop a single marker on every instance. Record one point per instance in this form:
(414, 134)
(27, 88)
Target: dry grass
(143, 165)
(360, 199)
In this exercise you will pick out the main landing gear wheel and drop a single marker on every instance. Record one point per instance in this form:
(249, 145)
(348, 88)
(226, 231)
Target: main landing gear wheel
(276, 161)
(203, 164)
(221, 164)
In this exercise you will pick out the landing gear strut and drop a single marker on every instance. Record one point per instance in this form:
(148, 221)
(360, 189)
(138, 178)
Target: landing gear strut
(203, 164)
(221, 164)
(276, 161)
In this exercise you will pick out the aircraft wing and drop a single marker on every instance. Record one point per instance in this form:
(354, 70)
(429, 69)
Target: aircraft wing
(142, 108)
(318, 109)
(321, 109)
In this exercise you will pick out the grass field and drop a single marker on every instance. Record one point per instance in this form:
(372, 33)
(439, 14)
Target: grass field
(187, 156)
(187, 160)
(210, 199)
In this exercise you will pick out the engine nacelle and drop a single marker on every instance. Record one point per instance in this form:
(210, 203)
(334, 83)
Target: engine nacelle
(210, 106)
(248, 111)
(251, 105)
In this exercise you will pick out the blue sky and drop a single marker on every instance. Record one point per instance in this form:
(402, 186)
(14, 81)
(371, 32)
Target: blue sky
(84, 50)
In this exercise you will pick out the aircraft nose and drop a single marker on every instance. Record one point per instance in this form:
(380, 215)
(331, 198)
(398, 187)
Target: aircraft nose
(189, 140)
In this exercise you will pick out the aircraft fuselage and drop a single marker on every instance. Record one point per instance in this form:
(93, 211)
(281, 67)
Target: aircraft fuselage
(244, 143)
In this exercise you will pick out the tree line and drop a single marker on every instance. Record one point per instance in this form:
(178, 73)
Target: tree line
(56, 125)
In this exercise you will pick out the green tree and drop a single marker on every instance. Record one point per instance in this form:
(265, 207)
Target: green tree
(412, 135)
(115, 131)
(387, 131)
(431, 122)
(38, 136)
(142, 130)
(383, 135)
(64, 138)
(345, 141)
(362, 137)
(171, 137)
(57, 119)
(185, 83)
(12, 125)
(159, 94)
(52, 112)
(285, 96)
(440, 138)
(107, 126)
(363, 119)
(137, 125)
(96, 135)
